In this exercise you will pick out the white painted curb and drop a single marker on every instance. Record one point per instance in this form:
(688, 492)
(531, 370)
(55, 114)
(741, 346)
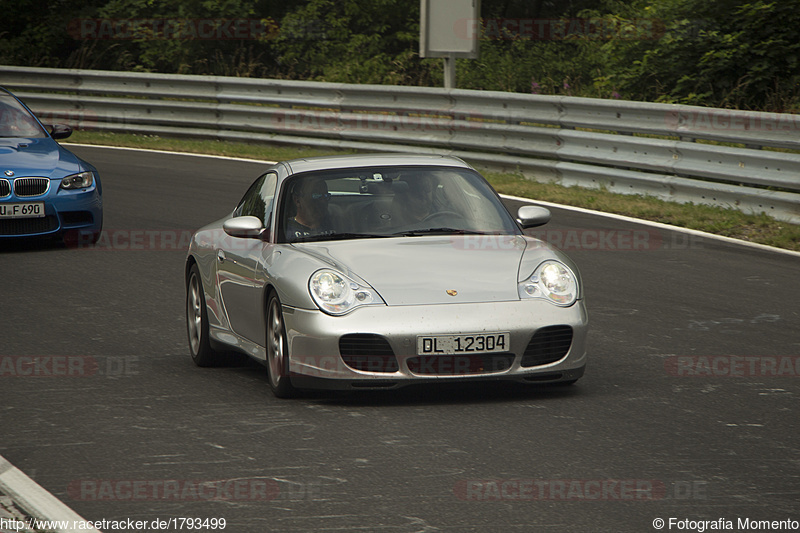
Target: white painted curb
(36, 501)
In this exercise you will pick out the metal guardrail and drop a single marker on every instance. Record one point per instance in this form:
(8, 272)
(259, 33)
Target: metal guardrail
(668, 151)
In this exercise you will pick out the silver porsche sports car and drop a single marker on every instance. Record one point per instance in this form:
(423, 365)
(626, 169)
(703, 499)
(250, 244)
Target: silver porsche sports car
(378, 271)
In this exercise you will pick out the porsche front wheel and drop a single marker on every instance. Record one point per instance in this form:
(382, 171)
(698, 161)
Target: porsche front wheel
(277, 351)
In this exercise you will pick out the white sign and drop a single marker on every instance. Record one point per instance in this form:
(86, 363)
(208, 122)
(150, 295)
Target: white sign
(449, 28)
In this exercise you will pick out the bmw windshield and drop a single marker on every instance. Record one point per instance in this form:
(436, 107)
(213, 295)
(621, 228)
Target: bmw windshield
(16, 121)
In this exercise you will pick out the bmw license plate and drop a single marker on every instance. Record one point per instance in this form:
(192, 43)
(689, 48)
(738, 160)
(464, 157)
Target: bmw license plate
(461, 344)
(30, 210)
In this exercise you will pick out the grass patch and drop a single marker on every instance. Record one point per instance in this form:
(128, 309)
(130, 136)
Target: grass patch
(728, 222)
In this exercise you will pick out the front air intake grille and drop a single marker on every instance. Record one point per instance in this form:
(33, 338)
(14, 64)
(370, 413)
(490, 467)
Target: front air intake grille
(28, 226)
(5, 188)
(24, 187)
(75, 218)
(548, 345)
(367, 352)
(456, 365)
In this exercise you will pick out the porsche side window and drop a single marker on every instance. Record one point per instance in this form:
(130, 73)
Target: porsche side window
(247, 200)
(258, 199)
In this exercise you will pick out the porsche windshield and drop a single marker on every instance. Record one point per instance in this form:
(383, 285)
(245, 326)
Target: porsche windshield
(16, 121)
(386, 202)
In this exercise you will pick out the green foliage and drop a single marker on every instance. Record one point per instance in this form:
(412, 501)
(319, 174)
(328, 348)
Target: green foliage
(353, 41)
(92, 34)
(159, 49)
(726, 53)
(540, 67)
(34, 32)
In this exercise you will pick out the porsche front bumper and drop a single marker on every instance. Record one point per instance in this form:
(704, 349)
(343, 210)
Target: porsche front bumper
(316, 359)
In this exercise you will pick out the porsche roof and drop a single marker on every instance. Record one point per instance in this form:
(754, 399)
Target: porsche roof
(296, 166)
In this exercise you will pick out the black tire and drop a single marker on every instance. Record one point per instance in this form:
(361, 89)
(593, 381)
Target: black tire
(197, 322)
(277, 351)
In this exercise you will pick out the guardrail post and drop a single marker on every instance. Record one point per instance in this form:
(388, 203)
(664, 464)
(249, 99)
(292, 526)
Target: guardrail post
(450, 72)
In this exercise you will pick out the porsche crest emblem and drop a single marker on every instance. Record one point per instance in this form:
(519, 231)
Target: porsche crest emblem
(452, 292)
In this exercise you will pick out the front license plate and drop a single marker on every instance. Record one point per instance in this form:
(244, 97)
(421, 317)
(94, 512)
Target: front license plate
(31, 210)
(458, 344)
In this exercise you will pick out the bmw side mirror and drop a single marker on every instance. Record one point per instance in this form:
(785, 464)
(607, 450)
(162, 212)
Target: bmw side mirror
(60, 131)
(246, 227)
(530, 216)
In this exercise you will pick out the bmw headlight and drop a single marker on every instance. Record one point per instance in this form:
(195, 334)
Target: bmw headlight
(552, 280)
(78, 181)
(336, 294)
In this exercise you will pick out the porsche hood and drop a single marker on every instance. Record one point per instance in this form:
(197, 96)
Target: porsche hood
(431, 270)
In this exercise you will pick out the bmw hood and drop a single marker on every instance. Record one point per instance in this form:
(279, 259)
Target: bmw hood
(431, 270)
(37, 157)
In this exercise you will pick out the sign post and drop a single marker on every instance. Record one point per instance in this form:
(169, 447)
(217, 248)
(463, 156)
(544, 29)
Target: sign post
(449, 29)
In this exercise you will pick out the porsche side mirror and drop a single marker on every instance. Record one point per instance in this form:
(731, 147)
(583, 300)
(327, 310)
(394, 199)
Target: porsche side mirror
(60, 131)
(246, 227)
(530, 216)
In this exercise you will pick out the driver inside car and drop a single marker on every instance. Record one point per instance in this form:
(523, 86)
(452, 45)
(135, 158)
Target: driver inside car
(309, 197)
(419, 201)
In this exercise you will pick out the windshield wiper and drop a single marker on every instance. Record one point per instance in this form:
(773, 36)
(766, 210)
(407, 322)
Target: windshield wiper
(341, 236)
(439, 231)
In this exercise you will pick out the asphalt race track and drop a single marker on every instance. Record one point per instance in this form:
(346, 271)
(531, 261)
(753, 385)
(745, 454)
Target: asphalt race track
(687, 409)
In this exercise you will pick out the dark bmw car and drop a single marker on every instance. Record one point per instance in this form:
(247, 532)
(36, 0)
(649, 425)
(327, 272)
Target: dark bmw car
(45, 190)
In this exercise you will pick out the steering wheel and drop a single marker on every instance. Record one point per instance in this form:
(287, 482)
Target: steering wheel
(439, 214)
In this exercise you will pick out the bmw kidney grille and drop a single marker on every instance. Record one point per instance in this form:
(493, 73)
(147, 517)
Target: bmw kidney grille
(24, 187)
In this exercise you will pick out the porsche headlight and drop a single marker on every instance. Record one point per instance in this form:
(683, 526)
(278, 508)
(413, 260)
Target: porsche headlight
(551, 280)
(78, 181)
(336, 294)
